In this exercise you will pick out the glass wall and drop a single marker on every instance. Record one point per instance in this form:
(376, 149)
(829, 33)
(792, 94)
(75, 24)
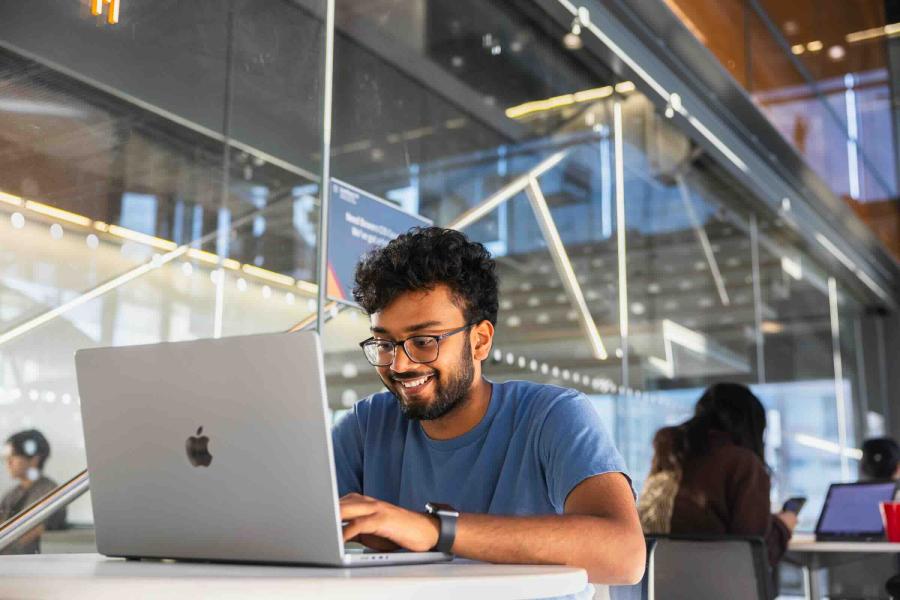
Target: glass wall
(821, 72)
(158, 182)
(144, 202)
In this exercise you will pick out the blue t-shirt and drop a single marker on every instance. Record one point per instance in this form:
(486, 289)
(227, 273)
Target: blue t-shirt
(533, 446)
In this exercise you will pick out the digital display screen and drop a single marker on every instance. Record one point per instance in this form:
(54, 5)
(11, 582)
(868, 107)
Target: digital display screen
(853, 509)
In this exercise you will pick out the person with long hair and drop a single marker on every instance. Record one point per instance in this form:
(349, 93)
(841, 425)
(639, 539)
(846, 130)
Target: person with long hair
(709, 475)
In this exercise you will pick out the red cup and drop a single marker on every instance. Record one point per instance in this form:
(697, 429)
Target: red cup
(890, 515)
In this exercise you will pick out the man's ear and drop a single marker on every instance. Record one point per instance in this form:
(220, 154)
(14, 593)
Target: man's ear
(482, 340)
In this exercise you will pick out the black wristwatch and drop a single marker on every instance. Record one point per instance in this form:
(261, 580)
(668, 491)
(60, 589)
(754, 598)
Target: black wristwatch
(447, 515)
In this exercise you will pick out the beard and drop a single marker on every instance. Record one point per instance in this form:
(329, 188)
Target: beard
(447, 394)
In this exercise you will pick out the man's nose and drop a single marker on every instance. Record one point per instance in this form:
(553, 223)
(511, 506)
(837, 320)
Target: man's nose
(401, 361)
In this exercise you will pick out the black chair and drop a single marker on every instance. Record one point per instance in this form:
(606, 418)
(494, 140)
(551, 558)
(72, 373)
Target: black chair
(697, 567)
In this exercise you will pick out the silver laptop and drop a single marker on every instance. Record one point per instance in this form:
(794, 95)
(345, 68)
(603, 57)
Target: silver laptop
(216, 450)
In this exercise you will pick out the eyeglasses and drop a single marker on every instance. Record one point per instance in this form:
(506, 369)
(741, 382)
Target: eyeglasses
(419, 348)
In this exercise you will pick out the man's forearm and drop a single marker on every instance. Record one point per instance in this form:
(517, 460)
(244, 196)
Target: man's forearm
(607, 549)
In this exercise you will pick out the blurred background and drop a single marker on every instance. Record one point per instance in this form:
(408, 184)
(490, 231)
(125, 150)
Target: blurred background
(722, 177)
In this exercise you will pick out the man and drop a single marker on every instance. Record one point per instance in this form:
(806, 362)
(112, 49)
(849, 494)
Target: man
(25, 453)
(528, 467)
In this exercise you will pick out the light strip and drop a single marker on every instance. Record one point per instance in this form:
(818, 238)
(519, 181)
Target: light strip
(792, 267)
(213, 259)
(852, 137)
(57, 213)
(889, 30)
(143, 238)
(845, 260)
(11, 199)
(88, 296)
(506, 192)
(527, 108)
(174, 251)
(268, 275)
(704, 241)
(840, 401)
(203, 256)
(308, 287)
(564, 267)
(832, 448)
(719, 144)
(619, 160)
(864, 277)
(836, 252)
(219, 311)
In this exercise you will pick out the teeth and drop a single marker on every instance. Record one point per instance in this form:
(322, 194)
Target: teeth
(415, 382)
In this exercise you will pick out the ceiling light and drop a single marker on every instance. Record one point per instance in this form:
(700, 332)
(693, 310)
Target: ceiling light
(889, 30)
(572, 39)
(17, 220)
(772, 327)
(814, 46)
(798, 49)
(837, 53)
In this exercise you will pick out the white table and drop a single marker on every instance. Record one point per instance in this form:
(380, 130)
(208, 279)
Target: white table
(812, 556)
(95, 576)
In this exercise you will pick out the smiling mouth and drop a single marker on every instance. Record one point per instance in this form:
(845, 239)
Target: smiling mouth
(414, 385)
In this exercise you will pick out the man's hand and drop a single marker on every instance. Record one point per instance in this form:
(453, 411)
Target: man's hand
(383, 526)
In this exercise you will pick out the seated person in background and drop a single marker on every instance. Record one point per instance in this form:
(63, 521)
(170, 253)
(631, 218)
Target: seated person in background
(25, 453)
(880, 460)
(529, 467)
(709, 476)
(865, 579)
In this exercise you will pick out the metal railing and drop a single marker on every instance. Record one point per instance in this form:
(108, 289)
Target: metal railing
(14, 528)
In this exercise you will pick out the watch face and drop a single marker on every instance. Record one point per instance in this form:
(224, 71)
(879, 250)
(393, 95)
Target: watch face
(435, 507)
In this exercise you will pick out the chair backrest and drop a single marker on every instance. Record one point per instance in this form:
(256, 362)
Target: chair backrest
(683, 567)
(707, 568)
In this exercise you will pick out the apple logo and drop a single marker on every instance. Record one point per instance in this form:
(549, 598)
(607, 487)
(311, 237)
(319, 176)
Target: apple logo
(197, 451)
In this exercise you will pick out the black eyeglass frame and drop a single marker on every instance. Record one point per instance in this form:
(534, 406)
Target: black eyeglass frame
(402, 343)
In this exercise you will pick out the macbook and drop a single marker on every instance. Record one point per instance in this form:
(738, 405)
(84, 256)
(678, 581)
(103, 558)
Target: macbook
(851, 511)
(216, 449)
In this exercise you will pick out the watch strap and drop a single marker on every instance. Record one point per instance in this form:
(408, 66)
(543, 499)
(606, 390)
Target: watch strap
(448, 531)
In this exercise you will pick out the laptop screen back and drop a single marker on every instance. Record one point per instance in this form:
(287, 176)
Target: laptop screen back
(851, 510)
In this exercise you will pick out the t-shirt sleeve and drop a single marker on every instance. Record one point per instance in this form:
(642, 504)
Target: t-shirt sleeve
(574, 445)
(347, 438)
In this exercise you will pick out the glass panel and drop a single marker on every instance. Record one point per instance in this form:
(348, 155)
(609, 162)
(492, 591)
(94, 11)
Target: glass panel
(799, 392)
(432, 113)
(820, 72)
(158, 182)
(690, 279)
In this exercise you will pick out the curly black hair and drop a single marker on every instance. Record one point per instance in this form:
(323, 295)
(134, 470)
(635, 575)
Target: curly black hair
(423, 258)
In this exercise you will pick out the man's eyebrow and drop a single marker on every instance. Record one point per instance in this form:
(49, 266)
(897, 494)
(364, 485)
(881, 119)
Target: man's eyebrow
(411, 328)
